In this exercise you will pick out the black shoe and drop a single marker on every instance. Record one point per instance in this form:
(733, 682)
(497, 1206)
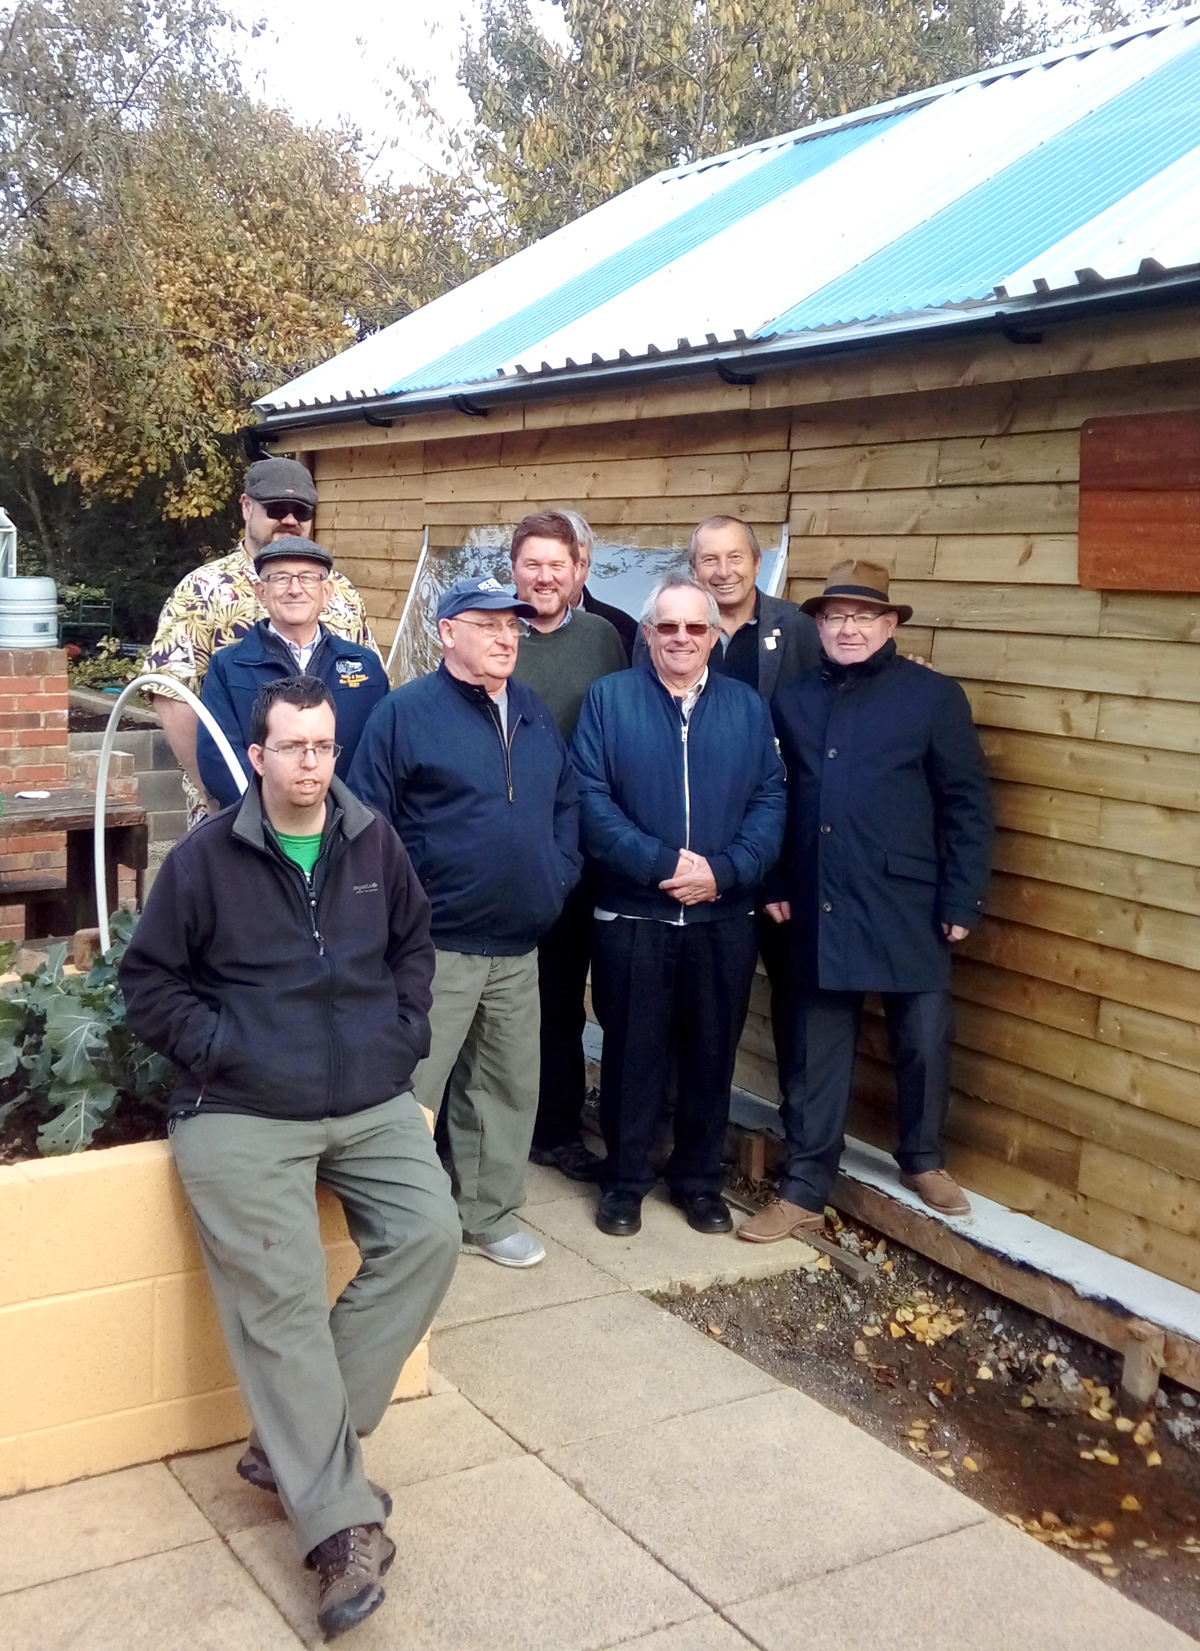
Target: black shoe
(571, 1158)
(705, 1211)
(620, 1214)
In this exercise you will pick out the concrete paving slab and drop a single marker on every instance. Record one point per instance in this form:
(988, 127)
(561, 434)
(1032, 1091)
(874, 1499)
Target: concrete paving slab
(483, 1290)
(631, 1363)
(429, 1438)
(546, 1186)
(988, 1588)
(748, 1497)
(417, 1439)
(47, 1534)
(228, 1503)
(666, 1254)
(499, 1558)
(439, 1384)
(711, 1633)
(193, 1599)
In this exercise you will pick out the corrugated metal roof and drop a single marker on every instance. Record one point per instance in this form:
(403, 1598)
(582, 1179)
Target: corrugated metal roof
(992, 190)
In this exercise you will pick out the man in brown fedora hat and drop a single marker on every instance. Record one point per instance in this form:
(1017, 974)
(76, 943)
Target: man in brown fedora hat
(885, 865)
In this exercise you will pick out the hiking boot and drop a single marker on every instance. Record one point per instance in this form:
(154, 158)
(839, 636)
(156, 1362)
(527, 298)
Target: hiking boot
(257, 1471)
(519, 1249)
(939, 1190)
(570, 1158)
(781, 1219)
(349, 1565)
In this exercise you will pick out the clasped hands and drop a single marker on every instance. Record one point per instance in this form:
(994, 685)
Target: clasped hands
(692, 881)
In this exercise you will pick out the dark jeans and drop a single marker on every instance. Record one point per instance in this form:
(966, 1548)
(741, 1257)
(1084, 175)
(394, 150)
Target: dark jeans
(564, 954)
(666, 991)
(823, 1035)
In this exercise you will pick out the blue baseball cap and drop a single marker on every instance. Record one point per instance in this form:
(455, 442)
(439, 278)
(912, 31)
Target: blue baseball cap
(485, 595)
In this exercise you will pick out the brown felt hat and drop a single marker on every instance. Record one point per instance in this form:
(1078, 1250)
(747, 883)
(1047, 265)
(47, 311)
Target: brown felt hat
(861, 582)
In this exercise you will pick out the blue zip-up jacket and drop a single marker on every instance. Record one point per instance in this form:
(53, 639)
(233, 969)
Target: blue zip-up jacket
(491, 824)
(355, 676)
(651, 784)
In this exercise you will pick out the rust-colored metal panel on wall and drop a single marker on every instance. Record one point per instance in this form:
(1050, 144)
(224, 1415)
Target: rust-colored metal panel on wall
(1139, 503)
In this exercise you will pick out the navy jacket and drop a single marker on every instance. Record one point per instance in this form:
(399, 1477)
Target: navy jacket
(788, 644)
(492, 827)
(273, 996)
(650, 785)
(355, 676)
(889, 823)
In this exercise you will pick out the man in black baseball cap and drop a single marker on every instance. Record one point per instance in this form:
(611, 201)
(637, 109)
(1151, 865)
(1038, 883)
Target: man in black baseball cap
(470, 768)
(217, 605)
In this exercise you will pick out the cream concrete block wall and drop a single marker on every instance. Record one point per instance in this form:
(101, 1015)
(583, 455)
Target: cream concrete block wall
(110, 1350)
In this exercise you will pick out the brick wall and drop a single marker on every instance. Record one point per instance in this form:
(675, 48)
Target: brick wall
(33, 756)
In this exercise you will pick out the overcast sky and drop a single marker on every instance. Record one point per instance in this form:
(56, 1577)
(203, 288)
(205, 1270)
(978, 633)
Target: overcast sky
(329, 64)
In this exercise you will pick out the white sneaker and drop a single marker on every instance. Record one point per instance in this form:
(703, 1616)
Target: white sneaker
(519, 1249)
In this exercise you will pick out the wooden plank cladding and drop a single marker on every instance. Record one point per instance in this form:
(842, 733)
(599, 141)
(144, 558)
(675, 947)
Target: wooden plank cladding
(1139, 522)
(960, 466)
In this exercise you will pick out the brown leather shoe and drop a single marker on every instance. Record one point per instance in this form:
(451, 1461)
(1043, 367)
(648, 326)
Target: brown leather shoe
(939, 1190)
(781, 1220)
(350, 1564)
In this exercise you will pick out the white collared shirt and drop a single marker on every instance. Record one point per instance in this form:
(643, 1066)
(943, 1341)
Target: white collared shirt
(301, 652)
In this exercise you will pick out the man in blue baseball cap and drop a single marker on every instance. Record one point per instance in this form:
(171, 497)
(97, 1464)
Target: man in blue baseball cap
(472, 771)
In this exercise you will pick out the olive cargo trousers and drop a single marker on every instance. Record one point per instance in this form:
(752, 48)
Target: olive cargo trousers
(484, 1028)
(315, 1378)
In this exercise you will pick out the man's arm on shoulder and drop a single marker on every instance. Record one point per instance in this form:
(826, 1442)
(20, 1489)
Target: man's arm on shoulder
(161, 1004)
(963, 798)
(609, 835)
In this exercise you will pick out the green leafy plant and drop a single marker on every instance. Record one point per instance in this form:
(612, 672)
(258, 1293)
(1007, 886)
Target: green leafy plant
(66, 1049)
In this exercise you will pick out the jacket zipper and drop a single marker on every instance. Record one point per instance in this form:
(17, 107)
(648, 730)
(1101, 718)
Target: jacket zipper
(505, 744)
(687, 799)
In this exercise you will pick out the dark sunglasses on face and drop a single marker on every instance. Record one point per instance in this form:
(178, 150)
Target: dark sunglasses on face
(694, 627)
(279, 512)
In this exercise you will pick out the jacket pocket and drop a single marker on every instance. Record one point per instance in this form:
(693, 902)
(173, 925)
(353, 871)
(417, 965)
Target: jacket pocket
(914, 866)
(212, 1059)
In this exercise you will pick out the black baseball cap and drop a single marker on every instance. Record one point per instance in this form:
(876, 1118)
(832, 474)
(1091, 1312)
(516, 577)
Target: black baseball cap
(292, 548)
(280, 481)
(485, 595)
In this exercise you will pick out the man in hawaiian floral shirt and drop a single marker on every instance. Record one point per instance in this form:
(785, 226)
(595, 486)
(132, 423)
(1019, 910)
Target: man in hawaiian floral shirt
(215, 605)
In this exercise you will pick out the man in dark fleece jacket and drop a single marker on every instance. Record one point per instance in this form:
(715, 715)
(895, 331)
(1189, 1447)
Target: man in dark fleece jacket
(283, 962)
(470, 769)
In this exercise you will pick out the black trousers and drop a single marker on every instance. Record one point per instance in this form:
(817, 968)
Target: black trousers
(774, 950)
(667, 992)
(564, 956)
(823, 1035)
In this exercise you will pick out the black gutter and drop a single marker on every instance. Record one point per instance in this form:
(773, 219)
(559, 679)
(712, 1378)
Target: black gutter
(1019, 321)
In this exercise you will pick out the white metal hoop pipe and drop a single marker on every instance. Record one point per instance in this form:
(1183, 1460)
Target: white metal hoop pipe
(151, 679)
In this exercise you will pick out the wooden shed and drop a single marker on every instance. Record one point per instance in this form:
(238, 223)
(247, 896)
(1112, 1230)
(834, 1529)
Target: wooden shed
(957, 334)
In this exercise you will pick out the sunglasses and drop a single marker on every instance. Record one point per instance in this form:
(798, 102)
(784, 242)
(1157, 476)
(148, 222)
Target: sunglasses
(694, 627)
(280, 511)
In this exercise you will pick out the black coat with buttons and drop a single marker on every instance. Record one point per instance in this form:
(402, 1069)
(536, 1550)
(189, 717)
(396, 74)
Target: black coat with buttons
(889, 830)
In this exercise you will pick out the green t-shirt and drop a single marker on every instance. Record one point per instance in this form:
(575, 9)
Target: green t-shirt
(305, 851)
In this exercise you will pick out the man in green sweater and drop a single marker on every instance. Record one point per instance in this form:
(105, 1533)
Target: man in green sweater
(566, 650)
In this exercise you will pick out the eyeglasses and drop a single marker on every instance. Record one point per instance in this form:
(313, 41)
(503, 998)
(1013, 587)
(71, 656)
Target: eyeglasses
(280, 511)
(836, 621)
(496, 627)
(282, 581)
(297, 750)
(694, 627)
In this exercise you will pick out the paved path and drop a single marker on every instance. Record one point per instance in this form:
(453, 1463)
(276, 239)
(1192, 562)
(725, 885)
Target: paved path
(588, 1473)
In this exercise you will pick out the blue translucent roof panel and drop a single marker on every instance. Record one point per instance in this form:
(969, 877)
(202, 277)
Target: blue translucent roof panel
(480, 356)
(963, 251)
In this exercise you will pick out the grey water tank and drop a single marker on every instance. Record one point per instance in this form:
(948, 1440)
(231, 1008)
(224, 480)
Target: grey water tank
(28, 613)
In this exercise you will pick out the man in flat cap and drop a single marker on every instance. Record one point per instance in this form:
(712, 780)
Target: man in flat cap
(217, 604)
(294, 583)
(885, 866)
(469, 767)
